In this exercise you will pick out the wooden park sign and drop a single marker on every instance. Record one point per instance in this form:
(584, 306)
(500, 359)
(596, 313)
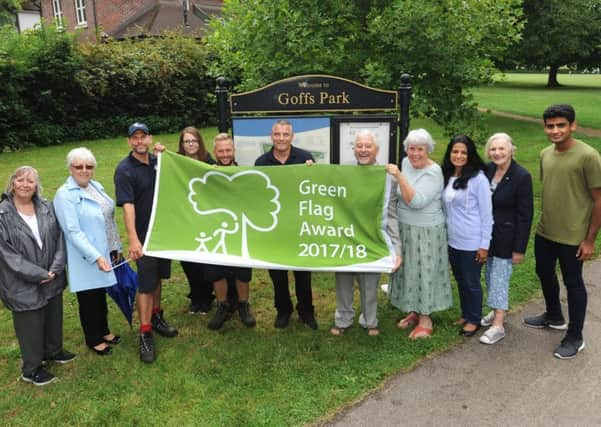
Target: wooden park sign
(313, 93)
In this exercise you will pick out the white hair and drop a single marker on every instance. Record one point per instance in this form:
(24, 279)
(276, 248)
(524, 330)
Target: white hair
(500, 136)
(80, 153)
(419, 137)
(366, 133)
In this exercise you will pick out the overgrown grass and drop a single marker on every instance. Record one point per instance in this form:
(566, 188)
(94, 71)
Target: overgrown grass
(238, 376)
(527, 94)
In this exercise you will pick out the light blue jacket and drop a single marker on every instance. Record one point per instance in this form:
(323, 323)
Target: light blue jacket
(84, 228)
(469, 215)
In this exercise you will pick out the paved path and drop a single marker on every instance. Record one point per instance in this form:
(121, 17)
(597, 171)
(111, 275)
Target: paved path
(580, 129)
(516, 382)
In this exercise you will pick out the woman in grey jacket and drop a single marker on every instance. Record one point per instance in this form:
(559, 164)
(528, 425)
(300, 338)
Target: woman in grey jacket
(32, 276)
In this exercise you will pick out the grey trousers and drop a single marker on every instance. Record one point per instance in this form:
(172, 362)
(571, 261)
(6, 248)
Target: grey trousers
(368, 291)
(40, 333)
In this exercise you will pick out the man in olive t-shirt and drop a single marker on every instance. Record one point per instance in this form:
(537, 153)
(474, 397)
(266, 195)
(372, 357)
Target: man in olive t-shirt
(570, 219)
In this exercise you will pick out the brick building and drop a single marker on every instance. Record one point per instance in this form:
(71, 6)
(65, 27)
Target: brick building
(129, 18)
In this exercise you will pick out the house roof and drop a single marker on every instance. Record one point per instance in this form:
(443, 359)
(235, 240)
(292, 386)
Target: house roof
(162, 15)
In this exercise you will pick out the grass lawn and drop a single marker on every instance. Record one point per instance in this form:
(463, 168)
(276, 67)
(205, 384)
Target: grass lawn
(238, 376)
(527, 94)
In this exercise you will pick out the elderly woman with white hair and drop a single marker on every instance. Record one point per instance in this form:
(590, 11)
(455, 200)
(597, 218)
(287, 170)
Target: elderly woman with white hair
(511, 187)
(422, 285)
(86, 215)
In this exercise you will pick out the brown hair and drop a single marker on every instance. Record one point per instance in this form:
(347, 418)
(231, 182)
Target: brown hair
(202, 154)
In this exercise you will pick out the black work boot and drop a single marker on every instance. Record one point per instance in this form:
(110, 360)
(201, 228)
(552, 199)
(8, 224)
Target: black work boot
(221, 315)
(245, 315)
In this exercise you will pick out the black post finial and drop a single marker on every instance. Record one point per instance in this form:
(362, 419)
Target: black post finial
(221, 95)
(404, 102)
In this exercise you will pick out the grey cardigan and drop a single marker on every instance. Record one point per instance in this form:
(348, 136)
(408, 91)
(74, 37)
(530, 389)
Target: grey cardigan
(23, 265)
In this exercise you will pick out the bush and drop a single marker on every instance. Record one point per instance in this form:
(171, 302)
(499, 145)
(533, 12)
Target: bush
(54, 90)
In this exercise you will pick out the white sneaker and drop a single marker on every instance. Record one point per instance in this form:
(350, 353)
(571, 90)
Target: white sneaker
(487, 320)
(492, 335)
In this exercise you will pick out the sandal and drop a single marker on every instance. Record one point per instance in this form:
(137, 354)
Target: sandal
(373, 332)
(338, 331)
(408, 321)
(420, 332)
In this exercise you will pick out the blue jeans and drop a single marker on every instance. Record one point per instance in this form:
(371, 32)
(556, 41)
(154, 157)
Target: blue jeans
(467, 274)
(547, 253)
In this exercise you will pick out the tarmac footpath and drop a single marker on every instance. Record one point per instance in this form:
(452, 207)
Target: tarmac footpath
(516, 382)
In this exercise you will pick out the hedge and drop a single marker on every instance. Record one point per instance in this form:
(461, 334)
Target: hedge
(53, 89)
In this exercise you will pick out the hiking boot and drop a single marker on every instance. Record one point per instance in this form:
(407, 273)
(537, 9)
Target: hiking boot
(487, 320)
(62, 357)
(309, 320)
(160, 325)
(281, 320)
(569, 348)
(245, 315)
(39, 377)
(147, 354)
(493, 335)
(541, 321)
(221, 315)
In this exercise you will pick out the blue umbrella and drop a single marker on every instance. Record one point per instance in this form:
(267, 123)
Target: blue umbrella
(124, 291)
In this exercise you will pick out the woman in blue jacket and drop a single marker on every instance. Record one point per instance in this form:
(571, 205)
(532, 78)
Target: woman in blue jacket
(512, 207)
(86, 215)
(468, 208)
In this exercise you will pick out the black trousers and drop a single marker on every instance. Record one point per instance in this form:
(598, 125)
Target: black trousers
(93, 314)
(547, 254)
(40, 333)
(304, 296)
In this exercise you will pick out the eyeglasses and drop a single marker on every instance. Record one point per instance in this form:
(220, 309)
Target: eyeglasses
(191, 141)
(80, 167)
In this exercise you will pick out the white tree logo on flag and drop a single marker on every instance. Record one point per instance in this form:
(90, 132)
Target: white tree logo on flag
(263, 216)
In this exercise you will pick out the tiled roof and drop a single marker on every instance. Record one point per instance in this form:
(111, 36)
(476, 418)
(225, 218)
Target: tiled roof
(164, 15)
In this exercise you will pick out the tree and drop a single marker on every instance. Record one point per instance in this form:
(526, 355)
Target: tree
(560, 33)
(7, 11)
(446, 45)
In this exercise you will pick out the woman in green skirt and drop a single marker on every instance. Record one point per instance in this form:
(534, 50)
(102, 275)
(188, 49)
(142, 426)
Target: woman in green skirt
(422, 285)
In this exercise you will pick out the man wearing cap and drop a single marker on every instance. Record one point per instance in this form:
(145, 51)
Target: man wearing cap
(283, 153)
(134, 188)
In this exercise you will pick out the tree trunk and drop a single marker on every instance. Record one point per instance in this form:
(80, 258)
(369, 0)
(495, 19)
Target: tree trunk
(552, 80)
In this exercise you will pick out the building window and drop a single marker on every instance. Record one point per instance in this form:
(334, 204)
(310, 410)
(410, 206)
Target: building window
(57, 10)
(80, 13)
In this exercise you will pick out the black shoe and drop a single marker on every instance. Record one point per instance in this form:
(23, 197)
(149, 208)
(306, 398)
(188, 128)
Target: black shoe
(202, 308)
(106, 351)
(245, 315)
(147, 354)
(62, 357)
(160, 325)
(39, 377)
(568, 349)
(221, 315)
(466, 333)
(281, 321)
(309, 320)
(542, 321)
(114, 341)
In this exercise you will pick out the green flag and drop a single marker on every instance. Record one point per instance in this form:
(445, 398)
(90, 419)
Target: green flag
(297, 217)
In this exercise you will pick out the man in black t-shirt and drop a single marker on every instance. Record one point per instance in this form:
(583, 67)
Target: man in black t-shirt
(284, 153)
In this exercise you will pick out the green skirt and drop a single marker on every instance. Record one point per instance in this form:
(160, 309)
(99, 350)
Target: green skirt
(422, 284)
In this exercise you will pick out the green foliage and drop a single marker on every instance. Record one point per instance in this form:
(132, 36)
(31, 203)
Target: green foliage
(7, 11)
(446, 45)
(54, 90)
(560, 33)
